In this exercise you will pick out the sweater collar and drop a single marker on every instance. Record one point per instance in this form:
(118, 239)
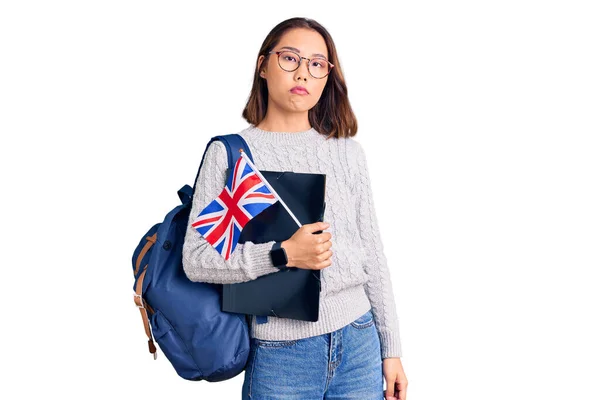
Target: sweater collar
(302, 137)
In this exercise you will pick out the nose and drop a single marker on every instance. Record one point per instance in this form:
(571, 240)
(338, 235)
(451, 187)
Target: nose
(301, 71)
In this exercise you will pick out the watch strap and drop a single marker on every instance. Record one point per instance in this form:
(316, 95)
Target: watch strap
(277, 248)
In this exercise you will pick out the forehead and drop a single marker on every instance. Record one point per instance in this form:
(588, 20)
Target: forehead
(306, 42)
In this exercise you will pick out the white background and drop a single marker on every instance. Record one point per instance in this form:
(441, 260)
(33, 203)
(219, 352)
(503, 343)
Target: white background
(480, 121)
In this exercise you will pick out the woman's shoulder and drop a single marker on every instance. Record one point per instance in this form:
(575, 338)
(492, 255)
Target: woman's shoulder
(353, 146)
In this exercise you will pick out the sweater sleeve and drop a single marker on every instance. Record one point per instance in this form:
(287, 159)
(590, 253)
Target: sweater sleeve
(378, 286)
(201, 261)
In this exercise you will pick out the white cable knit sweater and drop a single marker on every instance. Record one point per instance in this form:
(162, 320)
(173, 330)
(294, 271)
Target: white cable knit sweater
(358, 278)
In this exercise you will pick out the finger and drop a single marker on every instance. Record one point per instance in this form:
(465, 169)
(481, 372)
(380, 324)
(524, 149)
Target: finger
(326, 255)
(386, 397)
(389, 388)
(325, 236)
(321, 249)
(401, 390)
(317, 226)
(325, 246)
(323, 264)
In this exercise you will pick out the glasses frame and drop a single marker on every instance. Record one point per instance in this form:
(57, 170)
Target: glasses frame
(300, 62)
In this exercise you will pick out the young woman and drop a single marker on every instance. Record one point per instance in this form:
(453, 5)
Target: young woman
(301, 121)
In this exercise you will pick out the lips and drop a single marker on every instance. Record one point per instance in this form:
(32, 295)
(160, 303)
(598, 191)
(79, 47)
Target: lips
(299, 90)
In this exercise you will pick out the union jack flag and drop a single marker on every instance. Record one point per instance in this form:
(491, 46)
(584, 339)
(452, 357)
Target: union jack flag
(245, 195)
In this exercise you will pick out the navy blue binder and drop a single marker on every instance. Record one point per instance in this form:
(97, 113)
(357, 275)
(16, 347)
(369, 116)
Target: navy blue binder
(293, 292)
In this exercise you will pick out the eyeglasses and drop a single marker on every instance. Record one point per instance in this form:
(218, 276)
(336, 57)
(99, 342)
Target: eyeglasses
(289, 61)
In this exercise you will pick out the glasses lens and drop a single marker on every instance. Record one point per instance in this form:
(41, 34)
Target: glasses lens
(288, 60)
(318, 67)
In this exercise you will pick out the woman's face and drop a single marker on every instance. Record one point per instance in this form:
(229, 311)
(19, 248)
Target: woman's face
(279, 82)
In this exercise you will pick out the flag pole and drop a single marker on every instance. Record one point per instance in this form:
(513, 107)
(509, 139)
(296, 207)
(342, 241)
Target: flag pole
(269, 186)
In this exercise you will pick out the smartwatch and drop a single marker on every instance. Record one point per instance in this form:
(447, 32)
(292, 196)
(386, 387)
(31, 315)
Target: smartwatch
(278, 256)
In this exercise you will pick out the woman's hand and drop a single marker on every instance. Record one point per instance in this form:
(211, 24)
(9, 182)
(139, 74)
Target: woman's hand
(395, 379)
(308, 250)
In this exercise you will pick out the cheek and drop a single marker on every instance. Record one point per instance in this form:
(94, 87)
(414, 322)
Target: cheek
(318, 88)
(279, 84)
(316, 93)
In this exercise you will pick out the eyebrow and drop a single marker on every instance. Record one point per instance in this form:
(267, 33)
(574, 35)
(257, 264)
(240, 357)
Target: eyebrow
(298, 51)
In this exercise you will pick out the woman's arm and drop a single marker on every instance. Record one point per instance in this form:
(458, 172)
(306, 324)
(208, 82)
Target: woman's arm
(379, 286)
(201, 261)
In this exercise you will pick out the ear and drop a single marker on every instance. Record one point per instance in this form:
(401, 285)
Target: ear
(262, 71)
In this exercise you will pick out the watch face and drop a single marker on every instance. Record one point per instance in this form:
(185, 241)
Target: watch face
(279, 257)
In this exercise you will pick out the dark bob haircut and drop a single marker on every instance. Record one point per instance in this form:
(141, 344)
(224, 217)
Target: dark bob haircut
(332, 115)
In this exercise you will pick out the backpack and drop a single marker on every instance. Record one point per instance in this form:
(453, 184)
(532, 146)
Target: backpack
(201, 341)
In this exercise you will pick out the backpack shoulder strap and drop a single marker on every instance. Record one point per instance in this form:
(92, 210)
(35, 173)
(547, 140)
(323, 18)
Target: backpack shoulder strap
(233, 142)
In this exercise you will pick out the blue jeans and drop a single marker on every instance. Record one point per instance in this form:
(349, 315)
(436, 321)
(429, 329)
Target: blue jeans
(341, 365)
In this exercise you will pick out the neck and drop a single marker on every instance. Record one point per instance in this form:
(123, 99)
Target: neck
(278, 121)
